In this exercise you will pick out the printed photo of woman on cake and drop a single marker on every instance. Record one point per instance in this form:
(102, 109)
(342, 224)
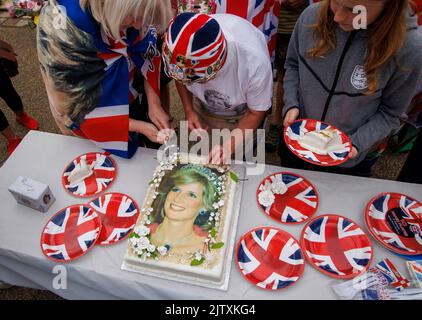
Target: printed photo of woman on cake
(181, 218)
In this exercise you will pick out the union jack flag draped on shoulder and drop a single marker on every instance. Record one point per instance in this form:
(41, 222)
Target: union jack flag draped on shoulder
(108, 124)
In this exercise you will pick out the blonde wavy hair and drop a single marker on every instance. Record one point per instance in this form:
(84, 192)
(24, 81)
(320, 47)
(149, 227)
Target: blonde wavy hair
(386, 36)
(111, 13)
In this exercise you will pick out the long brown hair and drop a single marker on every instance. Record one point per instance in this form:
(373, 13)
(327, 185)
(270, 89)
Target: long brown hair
(386, 36)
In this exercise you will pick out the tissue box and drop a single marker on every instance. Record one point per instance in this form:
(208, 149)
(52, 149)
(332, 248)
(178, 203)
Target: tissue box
(33, 194)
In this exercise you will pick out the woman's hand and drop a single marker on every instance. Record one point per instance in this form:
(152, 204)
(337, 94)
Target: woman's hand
(155, 111)
(147, 129)
(291, 116)
(159, 117)
(193, 121)
(354, 153)
(220, 154)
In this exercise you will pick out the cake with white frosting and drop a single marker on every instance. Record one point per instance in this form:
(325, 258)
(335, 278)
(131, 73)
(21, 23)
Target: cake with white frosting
(322, 141)
(81, 172)
(187, 225)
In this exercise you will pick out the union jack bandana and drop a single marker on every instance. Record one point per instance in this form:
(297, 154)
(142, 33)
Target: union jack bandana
(194, 49)
(108, 124)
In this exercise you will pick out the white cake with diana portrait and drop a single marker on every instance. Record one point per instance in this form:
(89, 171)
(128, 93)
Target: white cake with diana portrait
(187, 225)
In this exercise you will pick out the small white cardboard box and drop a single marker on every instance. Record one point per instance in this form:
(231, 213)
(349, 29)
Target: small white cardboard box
(33, 194)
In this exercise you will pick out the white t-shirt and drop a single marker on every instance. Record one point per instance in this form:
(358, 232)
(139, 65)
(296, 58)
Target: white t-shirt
(245, 80)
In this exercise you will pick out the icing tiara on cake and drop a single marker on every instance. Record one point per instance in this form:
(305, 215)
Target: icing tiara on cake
(202, 171)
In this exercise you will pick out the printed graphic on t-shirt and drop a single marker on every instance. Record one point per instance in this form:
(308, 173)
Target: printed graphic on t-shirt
(359, 79)
(220, 104)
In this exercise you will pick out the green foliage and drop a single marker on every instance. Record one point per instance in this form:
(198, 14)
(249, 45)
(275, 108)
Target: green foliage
(234, 176)
(195, 262)
(217, 245)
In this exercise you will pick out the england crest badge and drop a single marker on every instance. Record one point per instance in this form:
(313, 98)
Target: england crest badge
(359, 79)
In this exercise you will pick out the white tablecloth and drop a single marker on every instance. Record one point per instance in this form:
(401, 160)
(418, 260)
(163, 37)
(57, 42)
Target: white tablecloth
(97, 275)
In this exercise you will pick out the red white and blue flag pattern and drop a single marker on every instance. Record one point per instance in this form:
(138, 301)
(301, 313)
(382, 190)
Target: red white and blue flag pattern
(203, 55)
(395, 221)
(263, 14)
(108, 124)
(337, 247)
(104, 174)
(393, 276)
(297, 205)
(70, 233)
(270, 258)
(299, 128)
(118, 213)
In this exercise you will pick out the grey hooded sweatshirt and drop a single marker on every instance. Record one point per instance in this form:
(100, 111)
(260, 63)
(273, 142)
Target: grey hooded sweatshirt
(332, 88)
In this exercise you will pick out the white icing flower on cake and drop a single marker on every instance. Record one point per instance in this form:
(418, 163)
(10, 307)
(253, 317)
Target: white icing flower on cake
(162, 250)
(266, 186)
(142, 230)
(151, 248)
(198, 256)
(277, 185)
(266, 198)
(143, 243)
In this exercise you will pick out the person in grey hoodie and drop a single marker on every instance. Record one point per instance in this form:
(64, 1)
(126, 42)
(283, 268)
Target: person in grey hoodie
(359, 80)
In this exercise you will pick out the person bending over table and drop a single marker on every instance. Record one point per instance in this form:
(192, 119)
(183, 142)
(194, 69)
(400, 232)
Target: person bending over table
(361, 81)
(223, 61)
(93, 54)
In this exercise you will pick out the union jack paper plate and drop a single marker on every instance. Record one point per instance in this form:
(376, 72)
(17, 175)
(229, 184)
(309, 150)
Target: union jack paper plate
(336, 246)
(395, 221)
(71, 233)
(295, 204)
(270, 258)
(300, 127)
(118, 213)
(105, 171)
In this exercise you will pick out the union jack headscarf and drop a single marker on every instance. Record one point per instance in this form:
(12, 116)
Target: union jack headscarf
(108, 124)
(195, 48)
